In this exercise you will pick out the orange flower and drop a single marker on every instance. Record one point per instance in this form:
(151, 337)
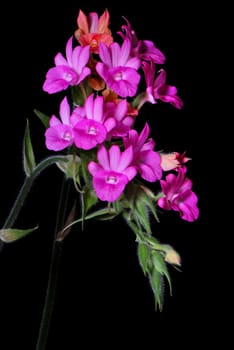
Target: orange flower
(93, 30)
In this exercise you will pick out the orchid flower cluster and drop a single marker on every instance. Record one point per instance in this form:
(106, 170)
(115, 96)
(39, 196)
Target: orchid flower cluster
(111, 164)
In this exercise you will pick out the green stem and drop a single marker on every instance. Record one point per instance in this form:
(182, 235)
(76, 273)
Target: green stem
(50, 295)
(26, 188)
(54, 270)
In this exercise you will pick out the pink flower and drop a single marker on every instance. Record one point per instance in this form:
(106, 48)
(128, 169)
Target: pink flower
(112, 173)
(145, 159)
(90, 126)
(93, 30)
(157, 88)
(170, 161)
(179, 196)
(118, 110)
(144, 49)
(69, 71)
(118, 69)
(60, 134)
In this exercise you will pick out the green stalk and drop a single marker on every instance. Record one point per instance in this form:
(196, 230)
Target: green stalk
(54, 270)
(26, 188)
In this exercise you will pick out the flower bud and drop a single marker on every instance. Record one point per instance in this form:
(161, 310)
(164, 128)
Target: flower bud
(172, 257)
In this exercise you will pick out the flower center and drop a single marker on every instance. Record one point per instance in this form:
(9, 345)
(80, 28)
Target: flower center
(111, 179)
(93, 43)
(118, 76)
(67, 76)
(92, 130)
(67, 136)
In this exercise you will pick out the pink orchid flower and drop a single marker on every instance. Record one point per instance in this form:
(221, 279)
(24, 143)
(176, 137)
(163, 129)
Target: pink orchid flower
(91, 30)
(90, 126)
(144, 49)
(112, 173)
(157, 88)
(179, 196)
(68, 71)
(60, 134)
(124, 122)
(145, 159)
(118, 69)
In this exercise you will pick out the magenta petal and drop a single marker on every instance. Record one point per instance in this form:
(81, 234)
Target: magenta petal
(161, 78)
(124, 52)
(89, 106)
(109, 185)
(94, 167)
(54, 121)
(110, 123)
(115, 156)
(143, 136)
(58, 137)
(148, 173)
(65, 111)
(59, 78)
(124, 81)
(80, 57)
(59, 60)
(69, 51)
(130, 172)
(103, 157)
(148, 51)
(84, 73)
(104, 53)
(115, 54)
(88, 134)
(188, 209)
(164, 204)
(98, 109)
(126, 159)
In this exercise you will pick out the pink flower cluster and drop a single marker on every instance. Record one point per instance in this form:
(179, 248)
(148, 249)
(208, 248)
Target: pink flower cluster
(108, 74)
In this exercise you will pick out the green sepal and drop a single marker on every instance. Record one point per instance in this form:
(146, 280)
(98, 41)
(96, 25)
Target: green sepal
(9, 235)
(160, 265)
(70, 167)
(142, 215)
(157, 285)
(43, 118)
(28, 155)
(143, 253)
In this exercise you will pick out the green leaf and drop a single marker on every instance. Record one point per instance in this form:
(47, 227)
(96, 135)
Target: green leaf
(161, 266)
(156, 282)
(28, 155)
(143, 256)
(106, 212)
(108, 216)
(89, 198)
(43, 118)
(9, 235)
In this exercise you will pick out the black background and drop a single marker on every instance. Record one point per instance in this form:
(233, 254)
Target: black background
(103, 299)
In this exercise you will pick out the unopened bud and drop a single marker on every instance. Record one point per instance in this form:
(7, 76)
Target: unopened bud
(172, 257)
